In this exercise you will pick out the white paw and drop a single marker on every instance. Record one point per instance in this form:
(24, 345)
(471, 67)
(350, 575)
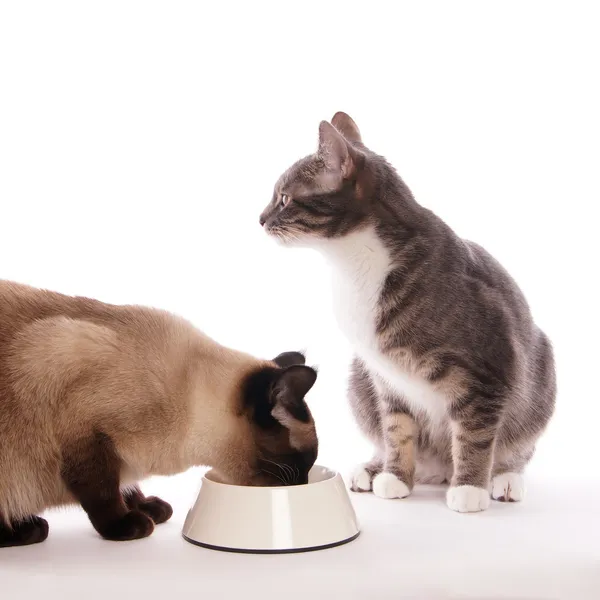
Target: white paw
(387, 485)
(508, 487)
(467, 498)
(361, 480)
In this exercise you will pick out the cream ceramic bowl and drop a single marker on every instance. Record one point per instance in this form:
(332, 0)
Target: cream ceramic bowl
(273, 519)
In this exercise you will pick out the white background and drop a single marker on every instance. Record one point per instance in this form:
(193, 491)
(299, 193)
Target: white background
(139, 141)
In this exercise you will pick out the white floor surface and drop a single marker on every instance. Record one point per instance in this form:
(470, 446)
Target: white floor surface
(547, 547)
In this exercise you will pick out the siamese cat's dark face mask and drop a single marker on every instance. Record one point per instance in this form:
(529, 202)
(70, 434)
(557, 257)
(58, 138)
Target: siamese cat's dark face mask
(285, 438)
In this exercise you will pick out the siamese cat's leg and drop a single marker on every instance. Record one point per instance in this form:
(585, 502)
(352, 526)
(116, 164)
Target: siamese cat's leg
(91, 471)
(32, 530)
(158, 510)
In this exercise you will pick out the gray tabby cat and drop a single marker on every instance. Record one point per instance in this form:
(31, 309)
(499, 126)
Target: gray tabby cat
(451, 380)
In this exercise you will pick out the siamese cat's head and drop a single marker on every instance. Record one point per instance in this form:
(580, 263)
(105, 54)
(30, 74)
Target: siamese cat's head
(284, 443)
(324, 195)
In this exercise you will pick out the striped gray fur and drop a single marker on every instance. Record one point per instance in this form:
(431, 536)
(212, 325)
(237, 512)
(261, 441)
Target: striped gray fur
(452, 379)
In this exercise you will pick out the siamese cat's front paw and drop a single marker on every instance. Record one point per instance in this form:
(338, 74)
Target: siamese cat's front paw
(32, 530)
(467, 498)
(387, 485)
(158, 510)
(133, 526)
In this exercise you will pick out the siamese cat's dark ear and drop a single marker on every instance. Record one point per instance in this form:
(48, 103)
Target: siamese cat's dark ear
(346, 125)
(289, 359)
(335, 152)
(275, 394)
(287, 395)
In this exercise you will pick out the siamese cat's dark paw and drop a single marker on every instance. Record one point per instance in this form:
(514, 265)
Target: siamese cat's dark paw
(158, 510)
(31, 531)
(132, 526)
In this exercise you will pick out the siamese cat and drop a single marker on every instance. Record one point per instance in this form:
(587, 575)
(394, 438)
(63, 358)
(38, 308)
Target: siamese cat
(96, 397)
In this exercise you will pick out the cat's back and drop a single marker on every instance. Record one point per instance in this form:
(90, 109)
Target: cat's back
(22, 305)
(49, 342)
(495, 286)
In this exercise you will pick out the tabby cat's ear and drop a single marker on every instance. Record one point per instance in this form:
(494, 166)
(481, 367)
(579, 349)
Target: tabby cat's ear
(346, 125)
(288, 359)
(334, 151)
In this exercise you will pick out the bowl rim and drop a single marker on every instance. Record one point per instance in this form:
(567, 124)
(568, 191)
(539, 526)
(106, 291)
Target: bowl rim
(259, 489)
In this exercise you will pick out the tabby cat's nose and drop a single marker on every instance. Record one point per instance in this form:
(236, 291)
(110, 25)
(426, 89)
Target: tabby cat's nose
(262, 220)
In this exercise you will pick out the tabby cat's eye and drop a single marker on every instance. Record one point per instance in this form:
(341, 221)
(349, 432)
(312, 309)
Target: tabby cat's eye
(285, 200)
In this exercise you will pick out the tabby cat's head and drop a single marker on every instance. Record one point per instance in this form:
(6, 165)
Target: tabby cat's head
(324, 195)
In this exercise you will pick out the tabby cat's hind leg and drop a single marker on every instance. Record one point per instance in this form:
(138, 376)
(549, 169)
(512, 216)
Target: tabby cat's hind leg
(32, 530)
(508, 484)
(508, 487)
(364, 404)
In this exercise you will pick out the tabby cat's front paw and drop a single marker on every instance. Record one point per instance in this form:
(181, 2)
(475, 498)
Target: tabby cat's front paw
(387, 485)
(467, 498)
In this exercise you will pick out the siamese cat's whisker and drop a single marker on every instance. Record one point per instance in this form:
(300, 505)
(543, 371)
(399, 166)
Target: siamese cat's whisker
(274, 475)
(286, 471)
(278, 465)
(289, 471)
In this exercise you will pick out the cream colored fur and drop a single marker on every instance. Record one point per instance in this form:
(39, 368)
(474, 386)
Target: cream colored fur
(166, 394)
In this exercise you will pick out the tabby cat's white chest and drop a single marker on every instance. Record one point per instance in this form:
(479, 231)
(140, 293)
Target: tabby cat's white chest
(360, 265)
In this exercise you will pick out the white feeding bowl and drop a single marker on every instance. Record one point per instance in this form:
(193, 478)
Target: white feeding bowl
(273, 519)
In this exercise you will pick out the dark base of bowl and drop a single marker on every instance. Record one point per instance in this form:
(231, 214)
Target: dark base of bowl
(282, 551)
